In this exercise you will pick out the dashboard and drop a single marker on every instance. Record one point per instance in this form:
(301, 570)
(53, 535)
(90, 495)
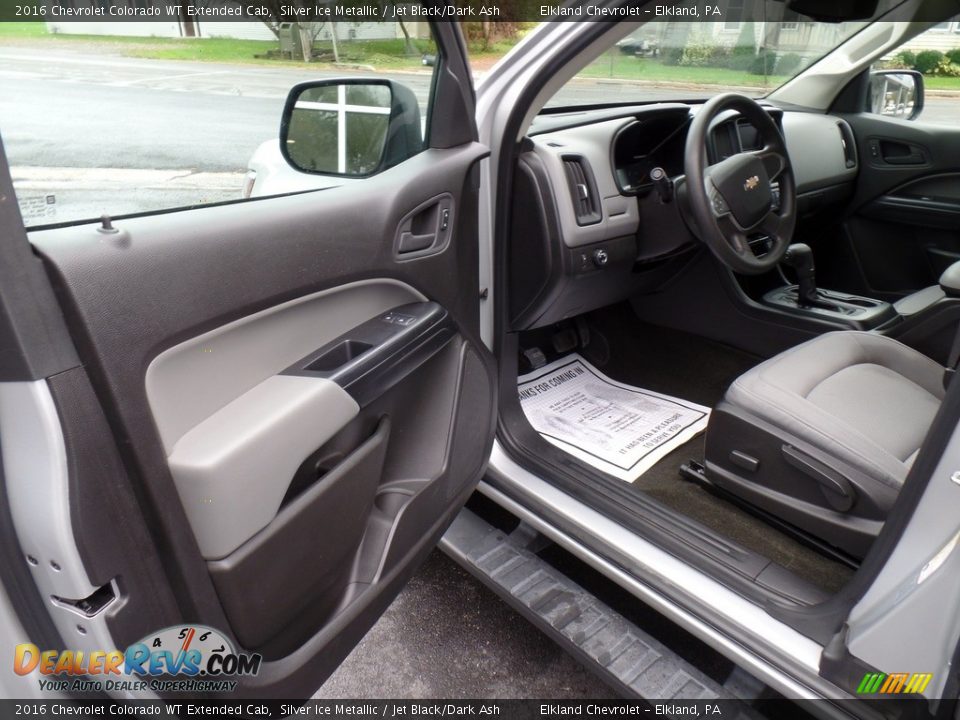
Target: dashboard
(645, 144)
(593, 223)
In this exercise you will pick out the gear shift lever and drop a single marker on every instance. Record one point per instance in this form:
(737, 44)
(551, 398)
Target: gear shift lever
(799, 256)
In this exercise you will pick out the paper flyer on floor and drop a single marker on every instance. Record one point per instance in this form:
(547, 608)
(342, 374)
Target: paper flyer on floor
(617, 428)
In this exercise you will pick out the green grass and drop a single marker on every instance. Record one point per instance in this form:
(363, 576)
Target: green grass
(212, 49)
(378, 53)
(23, 29)
(942, 83)
(388, 54)
(391, 55)
(626, 67)
(385, 54)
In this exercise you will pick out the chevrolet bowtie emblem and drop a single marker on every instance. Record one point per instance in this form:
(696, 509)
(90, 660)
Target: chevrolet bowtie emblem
(751, 183)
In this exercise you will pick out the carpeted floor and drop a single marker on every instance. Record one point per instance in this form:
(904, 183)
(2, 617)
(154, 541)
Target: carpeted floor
(663, 360)
(664, 483)
(699, 370)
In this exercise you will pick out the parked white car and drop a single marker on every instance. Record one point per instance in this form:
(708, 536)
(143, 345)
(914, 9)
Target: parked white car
(268, 173)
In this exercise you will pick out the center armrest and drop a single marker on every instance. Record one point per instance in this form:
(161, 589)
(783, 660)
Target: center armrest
(950, 280)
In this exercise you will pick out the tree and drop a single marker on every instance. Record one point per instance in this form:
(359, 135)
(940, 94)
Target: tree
(333, 42)
(747, 41)
(408, 47)
(188, 25)
(275, 8)
(773, 22)
(674, 38)
(485, 33)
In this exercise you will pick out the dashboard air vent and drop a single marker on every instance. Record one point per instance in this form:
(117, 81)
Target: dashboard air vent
(848, 143)
(583, 189)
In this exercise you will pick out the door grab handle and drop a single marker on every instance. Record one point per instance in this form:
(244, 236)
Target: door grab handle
(893, 152)
(411, 243)
(913, 159)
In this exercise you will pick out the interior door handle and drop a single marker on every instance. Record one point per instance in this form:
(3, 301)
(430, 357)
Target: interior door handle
(912, 159)
(411, 243)
(898, 153)
(425, 229)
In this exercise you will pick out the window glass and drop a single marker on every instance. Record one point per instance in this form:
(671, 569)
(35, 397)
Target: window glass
(697, 50)
(124, 117)
(934, 53)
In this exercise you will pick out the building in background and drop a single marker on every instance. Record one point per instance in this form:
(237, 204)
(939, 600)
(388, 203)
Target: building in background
(943, 37)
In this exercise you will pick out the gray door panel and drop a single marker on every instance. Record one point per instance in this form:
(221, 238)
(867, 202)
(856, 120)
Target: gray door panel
(187, 322)
(903, 231)
(186, 383)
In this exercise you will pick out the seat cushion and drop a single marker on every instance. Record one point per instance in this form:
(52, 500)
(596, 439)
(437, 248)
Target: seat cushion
(863, 398)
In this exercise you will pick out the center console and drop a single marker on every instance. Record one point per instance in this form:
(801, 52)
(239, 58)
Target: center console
(861, 313)
(805, 298)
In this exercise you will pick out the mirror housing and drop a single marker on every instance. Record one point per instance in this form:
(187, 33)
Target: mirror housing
(895, 93)
(349, 127)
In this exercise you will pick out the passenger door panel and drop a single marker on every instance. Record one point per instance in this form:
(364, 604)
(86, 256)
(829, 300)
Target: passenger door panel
(902, 232)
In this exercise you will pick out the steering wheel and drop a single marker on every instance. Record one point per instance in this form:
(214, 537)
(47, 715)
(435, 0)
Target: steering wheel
(733, 200)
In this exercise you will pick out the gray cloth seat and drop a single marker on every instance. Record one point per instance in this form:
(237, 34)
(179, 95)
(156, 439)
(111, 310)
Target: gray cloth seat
(863, 398)
(858, 404)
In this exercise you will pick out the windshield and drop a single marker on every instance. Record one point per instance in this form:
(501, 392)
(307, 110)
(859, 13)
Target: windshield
(700, 50)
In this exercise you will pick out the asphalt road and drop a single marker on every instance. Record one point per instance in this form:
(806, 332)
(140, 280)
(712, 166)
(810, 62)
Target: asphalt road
(448, 636)
(82, 110)
(65, 113)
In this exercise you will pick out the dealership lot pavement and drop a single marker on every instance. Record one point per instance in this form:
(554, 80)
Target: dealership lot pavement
(447, 636)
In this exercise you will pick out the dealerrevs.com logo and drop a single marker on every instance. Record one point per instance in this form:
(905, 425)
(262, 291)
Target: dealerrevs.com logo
(191, 658)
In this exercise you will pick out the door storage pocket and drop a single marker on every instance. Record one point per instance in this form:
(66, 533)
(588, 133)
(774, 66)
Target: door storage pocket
(297, 567)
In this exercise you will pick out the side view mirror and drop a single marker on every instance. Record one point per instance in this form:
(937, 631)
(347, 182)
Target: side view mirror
(896, 93)
(351, 127)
